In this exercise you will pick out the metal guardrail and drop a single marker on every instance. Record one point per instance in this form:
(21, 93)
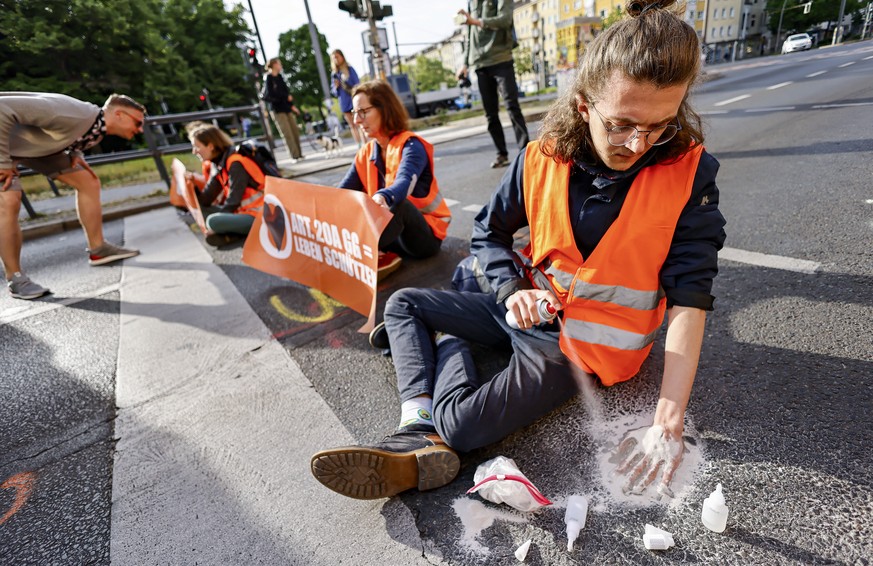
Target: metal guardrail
(154, 134)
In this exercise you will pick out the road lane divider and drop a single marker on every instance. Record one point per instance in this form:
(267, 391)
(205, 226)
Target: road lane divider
(768, 260)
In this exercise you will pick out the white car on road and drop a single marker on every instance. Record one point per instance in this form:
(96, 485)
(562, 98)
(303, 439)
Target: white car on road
(797, 42)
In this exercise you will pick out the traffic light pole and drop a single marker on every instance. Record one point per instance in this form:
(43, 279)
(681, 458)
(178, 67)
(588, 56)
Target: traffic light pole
(375, 43)
(319, 60)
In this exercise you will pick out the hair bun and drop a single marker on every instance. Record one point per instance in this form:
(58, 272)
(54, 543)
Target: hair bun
(637, 8)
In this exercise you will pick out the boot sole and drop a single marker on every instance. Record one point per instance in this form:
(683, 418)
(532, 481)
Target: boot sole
(369, 473)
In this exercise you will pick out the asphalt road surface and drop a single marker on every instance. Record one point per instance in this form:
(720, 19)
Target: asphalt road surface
(780, 412)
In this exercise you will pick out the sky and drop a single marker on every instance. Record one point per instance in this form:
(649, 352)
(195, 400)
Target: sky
(419, 23)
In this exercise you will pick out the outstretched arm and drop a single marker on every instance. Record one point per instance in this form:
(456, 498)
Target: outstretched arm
(645, 453)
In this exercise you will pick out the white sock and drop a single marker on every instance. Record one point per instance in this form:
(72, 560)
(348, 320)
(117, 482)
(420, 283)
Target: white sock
(417, 411)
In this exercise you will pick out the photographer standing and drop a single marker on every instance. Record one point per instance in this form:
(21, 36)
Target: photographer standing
(489, 53)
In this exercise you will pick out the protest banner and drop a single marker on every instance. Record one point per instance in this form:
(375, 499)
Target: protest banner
(188, 193)
(321, 237)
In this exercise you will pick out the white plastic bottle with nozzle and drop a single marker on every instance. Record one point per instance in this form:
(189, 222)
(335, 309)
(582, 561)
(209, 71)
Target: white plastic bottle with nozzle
(577, 513)
(545, 309)
(715, 511)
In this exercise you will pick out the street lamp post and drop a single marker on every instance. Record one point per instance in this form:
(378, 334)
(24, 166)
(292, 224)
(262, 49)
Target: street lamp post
(779, 29)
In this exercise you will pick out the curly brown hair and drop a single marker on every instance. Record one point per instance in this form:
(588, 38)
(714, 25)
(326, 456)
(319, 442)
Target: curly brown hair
(651, 45)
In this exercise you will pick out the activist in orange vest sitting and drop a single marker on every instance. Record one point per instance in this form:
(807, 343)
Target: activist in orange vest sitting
(396, 169)
(621, 202)
(196, 180)
(238, 178)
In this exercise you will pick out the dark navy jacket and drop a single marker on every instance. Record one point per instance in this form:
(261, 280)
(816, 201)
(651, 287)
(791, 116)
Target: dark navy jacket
(596, 197)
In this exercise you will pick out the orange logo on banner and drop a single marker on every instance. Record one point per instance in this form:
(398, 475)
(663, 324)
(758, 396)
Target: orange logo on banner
(188, 194)
(321, 237)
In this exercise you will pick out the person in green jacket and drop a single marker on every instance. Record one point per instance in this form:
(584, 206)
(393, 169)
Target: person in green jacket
(489, 53)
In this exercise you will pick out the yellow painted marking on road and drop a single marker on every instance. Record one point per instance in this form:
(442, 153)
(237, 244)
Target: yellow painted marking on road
(328, 308)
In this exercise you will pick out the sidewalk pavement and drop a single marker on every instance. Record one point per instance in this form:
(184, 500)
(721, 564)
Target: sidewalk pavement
(121, 202)
(216, 427)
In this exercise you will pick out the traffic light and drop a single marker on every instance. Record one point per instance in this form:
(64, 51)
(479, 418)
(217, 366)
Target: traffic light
(204, 99)
(353, 7)
(380, 11)
(252, 54)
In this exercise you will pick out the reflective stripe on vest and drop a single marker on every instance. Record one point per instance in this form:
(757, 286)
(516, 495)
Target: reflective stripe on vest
(433, 206)
(613, 301)
(253, 199)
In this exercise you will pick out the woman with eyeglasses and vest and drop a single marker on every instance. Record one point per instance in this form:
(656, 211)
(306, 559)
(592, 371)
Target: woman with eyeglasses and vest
(395, 167)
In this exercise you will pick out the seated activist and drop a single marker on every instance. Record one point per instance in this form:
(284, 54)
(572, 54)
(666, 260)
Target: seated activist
(396, 169)
(621, 202)
(237, 177)
(194, 179)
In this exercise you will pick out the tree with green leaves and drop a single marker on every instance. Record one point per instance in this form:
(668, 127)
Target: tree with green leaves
(300, 66)
(152, 50)
(428, 74)
(795, 21)
(524, 60)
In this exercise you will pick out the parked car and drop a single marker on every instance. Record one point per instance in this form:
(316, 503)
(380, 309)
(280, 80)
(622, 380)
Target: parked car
(797, 42)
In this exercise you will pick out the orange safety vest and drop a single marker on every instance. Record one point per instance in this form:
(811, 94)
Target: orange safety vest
(253, 199)
(433, 206)
(613, 300)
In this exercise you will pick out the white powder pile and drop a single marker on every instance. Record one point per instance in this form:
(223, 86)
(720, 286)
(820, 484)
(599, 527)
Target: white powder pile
(475, 517)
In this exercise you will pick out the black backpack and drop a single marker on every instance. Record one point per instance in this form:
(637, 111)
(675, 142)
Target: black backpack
(261, 155)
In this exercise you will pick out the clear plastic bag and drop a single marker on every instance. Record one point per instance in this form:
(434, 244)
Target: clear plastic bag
(499, 480)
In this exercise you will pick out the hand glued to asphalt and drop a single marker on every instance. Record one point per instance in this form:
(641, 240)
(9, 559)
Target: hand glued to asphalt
(645, 453)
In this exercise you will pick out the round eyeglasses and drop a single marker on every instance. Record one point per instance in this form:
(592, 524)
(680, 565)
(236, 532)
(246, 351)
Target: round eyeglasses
(623, 135)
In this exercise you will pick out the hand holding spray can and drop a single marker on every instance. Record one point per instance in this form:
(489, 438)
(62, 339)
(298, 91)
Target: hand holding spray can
(546, 311)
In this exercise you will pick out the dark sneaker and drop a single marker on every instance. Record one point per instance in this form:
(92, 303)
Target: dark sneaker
(412, 457)
(21, 287)
(388, 263)
(500, 161)
(219, 240)
(379, 337)
(107, 253)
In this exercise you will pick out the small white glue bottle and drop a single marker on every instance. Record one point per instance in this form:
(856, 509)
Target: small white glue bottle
(577, 512)
(545, 309)
(715, 511)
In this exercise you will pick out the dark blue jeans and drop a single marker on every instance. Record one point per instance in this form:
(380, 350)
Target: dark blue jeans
(501, 78)
(470, 411)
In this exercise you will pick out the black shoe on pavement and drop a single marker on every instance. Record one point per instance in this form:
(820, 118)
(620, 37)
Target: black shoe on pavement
(412, 457)
(500, 161)
(379, 337)
(219, 240)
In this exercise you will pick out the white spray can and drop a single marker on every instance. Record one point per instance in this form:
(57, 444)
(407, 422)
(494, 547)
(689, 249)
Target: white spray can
(577, 513)
(545, 309)
(715, 511)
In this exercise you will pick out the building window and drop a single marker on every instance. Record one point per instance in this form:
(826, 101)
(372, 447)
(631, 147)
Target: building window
(721, 31)
(722, 12)
(715, 14)
(700, 15)
(732, 11)
(730, 31)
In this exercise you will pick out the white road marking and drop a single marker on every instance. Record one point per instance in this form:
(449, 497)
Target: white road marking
(771, 109)
(817, 73)
(780, 85)
(867, 58)
(34, 309)
(450, 202)
(713, 112)
(771, 261)
(847, 64)
(473, 207)
(731, 100)
(843, 105)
